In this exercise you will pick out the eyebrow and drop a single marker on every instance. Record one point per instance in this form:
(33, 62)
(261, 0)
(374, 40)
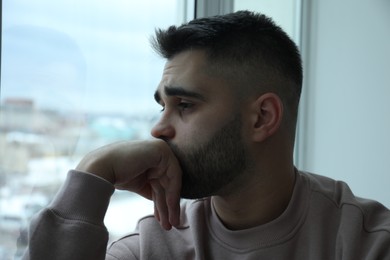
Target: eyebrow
(178, 91)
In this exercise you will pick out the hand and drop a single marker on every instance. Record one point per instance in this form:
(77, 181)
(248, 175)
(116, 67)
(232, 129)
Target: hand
(148, 168)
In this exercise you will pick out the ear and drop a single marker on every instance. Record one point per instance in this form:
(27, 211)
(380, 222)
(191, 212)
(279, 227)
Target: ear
(267, 114)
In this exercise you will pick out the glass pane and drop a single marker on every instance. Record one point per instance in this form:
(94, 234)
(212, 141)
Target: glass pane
(75, 76)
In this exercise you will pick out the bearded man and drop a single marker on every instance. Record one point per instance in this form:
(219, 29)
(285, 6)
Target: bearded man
(229, 91)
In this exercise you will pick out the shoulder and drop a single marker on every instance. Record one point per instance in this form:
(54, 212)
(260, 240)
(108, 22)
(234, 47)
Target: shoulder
(149, 238)
(375, 217)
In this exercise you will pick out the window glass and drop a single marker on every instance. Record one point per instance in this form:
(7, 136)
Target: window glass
(75, 75)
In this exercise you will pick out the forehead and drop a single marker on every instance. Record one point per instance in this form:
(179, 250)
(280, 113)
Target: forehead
(185, 66)
(189, 70)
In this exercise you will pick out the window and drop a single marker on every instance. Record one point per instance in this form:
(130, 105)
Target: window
(75, 76)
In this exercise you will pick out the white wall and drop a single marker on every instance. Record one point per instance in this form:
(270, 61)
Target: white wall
(344, 130)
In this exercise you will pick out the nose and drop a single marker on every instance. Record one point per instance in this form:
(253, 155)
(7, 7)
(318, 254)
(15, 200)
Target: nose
(163, 129)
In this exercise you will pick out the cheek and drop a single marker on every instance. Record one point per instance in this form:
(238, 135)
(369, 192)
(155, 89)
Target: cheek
(200, 127)
(192, 135)
(197, 133)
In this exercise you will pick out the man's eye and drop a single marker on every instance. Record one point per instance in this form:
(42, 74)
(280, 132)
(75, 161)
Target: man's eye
(185, 105)
(162, 109)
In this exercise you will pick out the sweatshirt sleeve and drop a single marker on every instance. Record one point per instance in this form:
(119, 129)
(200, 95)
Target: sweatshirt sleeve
(72, 227)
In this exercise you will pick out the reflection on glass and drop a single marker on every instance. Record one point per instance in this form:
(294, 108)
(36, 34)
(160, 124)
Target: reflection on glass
(75, 75)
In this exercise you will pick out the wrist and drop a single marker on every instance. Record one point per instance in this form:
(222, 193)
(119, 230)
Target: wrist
(95, 166)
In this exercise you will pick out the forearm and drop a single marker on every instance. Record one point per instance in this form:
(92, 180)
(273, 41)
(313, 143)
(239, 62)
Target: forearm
(71, 227)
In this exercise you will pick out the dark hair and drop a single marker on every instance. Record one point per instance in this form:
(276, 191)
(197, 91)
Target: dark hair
(246, 47)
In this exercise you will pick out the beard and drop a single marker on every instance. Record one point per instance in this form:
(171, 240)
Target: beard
(207, 168)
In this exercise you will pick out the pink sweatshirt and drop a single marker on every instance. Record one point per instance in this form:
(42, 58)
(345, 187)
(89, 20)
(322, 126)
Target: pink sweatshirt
(324, 220)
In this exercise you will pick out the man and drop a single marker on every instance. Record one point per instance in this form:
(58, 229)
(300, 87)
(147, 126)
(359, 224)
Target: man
(230, 92)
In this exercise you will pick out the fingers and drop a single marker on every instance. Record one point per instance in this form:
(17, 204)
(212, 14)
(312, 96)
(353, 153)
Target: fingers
(172, 194)
(161, 211)
(166, 196)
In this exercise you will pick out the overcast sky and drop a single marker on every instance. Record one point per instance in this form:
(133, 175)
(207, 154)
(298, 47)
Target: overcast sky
(92, 55)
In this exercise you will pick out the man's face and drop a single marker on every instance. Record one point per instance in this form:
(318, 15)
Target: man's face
(201, 123)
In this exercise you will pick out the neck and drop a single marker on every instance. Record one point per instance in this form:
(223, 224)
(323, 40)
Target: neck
(259, 200)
